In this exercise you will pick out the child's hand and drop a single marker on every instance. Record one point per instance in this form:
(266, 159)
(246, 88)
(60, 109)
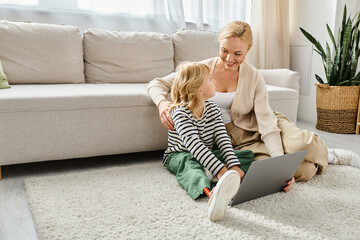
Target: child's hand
(290, 183)
(237, 168)
(221, 172)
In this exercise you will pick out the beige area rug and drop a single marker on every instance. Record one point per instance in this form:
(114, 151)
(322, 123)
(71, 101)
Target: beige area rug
(144, 201)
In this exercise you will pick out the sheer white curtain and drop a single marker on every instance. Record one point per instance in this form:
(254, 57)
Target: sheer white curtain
(20, 2)
(194, 14)
(270, 25)
(215, 14)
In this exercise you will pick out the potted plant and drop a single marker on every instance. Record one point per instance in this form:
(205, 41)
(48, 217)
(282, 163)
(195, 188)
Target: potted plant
(337, 97)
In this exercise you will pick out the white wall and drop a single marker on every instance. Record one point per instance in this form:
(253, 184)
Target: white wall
(312, 16)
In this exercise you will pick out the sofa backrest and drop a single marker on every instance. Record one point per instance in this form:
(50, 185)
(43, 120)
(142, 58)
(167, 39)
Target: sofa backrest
(49, 53)
(41, 53)
(126, 57)
(194, 45)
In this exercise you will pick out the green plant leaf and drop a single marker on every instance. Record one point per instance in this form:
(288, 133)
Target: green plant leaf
(356, 80)
(354, 57)
(319, 79)
(332, 37)
(356, 41)
(318, 52)
(355, 83)
(343, 26)
(343, 83)
(335, 69)
(345, 48)
(328, 62)
(344, 17)
(314, 41)
(347, 71)
(356, 24)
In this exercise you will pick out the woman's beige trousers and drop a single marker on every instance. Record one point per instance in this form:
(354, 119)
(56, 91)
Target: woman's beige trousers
(293, 139)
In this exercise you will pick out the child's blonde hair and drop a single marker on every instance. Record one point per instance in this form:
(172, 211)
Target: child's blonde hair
(187, 83)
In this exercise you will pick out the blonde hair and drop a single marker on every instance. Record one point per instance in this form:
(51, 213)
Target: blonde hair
(237, 29)
(187, 83)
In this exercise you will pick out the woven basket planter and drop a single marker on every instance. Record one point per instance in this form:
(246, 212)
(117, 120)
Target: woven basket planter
(337, 108)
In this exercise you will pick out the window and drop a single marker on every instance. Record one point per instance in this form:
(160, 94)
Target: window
(20, 2)
(216, 13)
(136, 7)
(43, 4)
(198, 14)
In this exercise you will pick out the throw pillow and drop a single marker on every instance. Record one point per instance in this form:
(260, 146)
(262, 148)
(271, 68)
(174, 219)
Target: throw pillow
(3, 80)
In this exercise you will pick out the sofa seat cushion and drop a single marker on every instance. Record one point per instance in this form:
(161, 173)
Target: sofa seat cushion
(281, 93)
(284, 100)
(76, 96)
(47, 97)
(41, 53)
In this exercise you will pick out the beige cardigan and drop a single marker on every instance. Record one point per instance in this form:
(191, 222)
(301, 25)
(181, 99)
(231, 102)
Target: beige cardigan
(250, 109)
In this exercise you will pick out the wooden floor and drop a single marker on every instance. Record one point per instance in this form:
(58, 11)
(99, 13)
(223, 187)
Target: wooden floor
(15, 217)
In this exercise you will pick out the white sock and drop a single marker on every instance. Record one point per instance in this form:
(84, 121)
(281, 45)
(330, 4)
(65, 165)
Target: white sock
(343, 157)
(331, 157)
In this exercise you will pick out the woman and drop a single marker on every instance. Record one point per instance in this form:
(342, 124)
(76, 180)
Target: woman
(242, 97)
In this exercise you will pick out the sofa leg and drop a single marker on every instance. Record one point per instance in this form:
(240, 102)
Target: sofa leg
(0, 172)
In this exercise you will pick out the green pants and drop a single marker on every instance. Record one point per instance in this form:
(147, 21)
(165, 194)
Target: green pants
(190, 173)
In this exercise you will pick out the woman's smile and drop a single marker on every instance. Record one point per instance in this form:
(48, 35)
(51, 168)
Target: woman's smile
(230, 64)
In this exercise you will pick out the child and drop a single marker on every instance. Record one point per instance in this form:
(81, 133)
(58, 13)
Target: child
(198, 125)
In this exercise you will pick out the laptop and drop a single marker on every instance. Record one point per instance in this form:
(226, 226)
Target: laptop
(268, 176)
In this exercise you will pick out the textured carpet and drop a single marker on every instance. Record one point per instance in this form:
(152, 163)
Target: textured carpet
(144, 201)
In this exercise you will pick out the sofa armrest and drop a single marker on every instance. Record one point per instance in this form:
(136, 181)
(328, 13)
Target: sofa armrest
(281, 78)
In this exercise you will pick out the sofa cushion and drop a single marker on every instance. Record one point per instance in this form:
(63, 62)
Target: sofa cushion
(193, 45)
(3, 80)
(41, 53)
(280, 93)
(126, 57)
(284, 100)
(73, 96)
(281, 77)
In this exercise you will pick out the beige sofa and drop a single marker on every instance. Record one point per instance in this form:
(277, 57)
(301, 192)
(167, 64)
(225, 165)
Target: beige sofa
(79, 95)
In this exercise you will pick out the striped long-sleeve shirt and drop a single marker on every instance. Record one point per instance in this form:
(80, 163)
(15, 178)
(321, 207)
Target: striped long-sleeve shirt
(197, 136)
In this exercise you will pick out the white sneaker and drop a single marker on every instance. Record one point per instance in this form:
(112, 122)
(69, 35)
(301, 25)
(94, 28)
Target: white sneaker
(224, 191)
(345, 157)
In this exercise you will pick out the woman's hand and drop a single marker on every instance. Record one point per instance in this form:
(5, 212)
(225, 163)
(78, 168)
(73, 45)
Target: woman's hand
(165, 116)
(290, 183)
